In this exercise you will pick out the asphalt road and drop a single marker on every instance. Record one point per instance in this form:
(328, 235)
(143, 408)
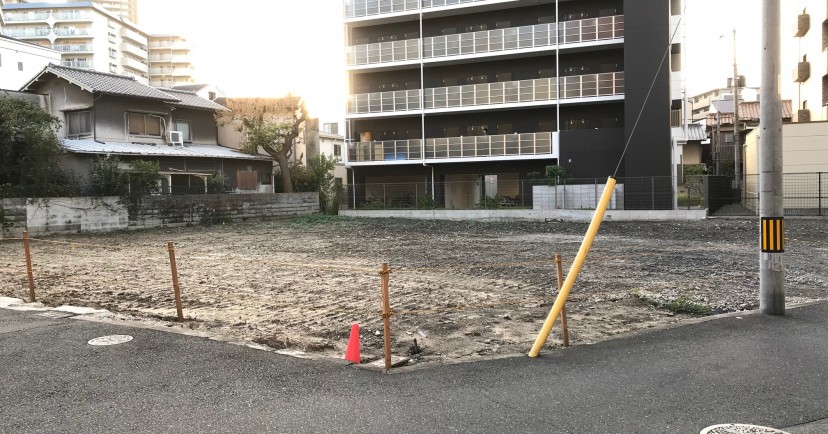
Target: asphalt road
(756, 369)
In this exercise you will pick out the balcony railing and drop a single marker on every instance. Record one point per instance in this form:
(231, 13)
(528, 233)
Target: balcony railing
(71, 32)
(489, 41)
(366, 8)
(173, 45)
(84, 64)
(487, 94)
(134, 64)
(169, 58)
(26, 33)
(134, 36)
(133, 49)
(26, 16)
(176, 72)
(504, 145)
(72, 48)
(72, 16)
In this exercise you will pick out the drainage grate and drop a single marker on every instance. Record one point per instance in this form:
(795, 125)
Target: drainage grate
(111, 340)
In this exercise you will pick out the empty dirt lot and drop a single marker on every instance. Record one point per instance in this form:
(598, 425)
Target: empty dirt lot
(464, 290)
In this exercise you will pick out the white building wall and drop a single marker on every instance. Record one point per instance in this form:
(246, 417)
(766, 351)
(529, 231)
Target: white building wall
(32, 58)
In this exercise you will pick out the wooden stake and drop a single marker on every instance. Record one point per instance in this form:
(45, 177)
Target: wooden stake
(32, 297)
(176, 287)
(386, 314)
(564, 328)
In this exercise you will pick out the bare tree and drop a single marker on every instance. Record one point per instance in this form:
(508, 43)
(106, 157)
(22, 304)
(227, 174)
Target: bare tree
(270, 124)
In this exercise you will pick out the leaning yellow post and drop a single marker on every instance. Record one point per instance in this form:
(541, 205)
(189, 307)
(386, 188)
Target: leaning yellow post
(575, 269)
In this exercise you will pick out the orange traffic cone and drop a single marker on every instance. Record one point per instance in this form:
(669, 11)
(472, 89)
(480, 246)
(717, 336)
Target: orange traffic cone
(352, 351)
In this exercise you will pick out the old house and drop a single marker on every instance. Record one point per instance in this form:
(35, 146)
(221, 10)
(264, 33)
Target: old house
(107, 114)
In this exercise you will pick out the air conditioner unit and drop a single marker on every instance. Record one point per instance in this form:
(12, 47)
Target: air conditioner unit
(175, 138)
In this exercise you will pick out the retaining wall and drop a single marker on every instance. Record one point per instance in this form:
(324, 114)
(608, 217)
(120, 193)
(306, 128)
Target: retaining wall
(101, 214)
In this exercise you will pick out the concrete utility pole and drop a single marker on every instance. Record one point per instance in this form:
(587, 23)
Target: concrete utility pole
(771, 205)
(737, 150)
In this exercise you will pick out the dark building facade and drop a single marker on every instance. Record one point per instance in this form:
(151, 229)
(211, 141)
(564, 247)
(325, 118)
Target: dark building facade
(483, 91)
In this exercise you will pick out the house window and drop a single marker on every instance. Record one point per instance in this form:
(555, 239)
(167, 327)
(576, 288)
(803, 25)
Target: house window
(211, 95)
(79, 123)
(144, 125)
(185, 128)
(265, 178)
(337, 150)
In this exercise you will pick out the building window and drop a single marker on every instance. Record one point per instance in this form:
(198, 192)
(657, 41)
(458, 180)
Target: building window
(211, 95)
(78, 124)
(113, 53)
(19, 66)
(266, 178)
(331, 128)
(185, 128)
(144, 125)
(337, 150)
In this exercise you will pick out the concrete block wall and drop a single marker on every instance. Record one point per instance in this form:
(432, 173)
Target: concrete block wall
(14, 218)
(193, 209)
(101, 214)
(574, 197)
(75, 214)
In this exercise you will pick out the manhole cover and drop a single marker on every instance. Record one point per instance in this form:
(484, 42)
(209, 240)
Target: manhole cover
(738, 428)
(111, 340)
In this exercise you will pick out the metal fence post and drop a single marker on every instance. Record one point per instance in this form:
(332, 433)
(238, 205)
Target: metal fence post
(652, 192)
(595, 191)
(819, 200)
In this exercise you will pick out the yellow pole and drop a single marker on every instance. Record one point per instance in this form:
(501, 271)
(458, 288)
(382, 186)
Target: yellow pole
(575, 269)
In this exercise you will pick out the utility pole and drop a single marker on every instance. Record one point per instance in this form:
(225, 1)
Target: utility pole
(771, 205)
(737, 151)
(717, 150)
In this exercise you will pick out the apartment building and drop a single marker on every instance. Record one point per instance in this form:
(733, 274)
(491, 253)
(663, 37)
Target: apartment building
(457, 96)
(804, 40)
(169, 61)
(126, 9)
(87, 35)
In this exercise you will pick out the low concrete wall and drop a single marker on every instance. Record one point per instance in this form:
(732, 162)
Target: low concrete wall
(530, 214)
(192, 209)
(101, 214)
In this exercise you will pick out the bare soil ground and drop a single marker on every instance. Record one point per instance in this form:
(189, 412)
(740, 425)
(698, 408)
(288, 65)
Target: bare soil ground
(463, 290)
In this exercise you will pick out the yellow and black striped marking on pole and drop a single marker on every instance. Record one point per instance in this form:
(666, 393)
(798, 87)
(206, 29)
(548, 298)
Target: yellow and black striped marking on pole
(773, 234)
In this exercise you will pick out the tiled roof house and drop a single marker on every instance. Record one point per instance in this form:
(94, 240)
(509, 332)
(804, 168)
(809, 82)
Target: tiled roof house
(107, 114)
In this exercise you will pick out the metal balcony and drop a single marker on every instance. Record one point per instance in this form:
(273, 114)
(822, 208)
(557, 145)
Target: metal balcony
(134, 36)
(452, 148)
(72, 16)
(371, 8)
(488, 41)
(18, 17)
(134, 50)
(73, 48)
(27, 33)
(71, 32)
(83, 64)
(489, 94)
